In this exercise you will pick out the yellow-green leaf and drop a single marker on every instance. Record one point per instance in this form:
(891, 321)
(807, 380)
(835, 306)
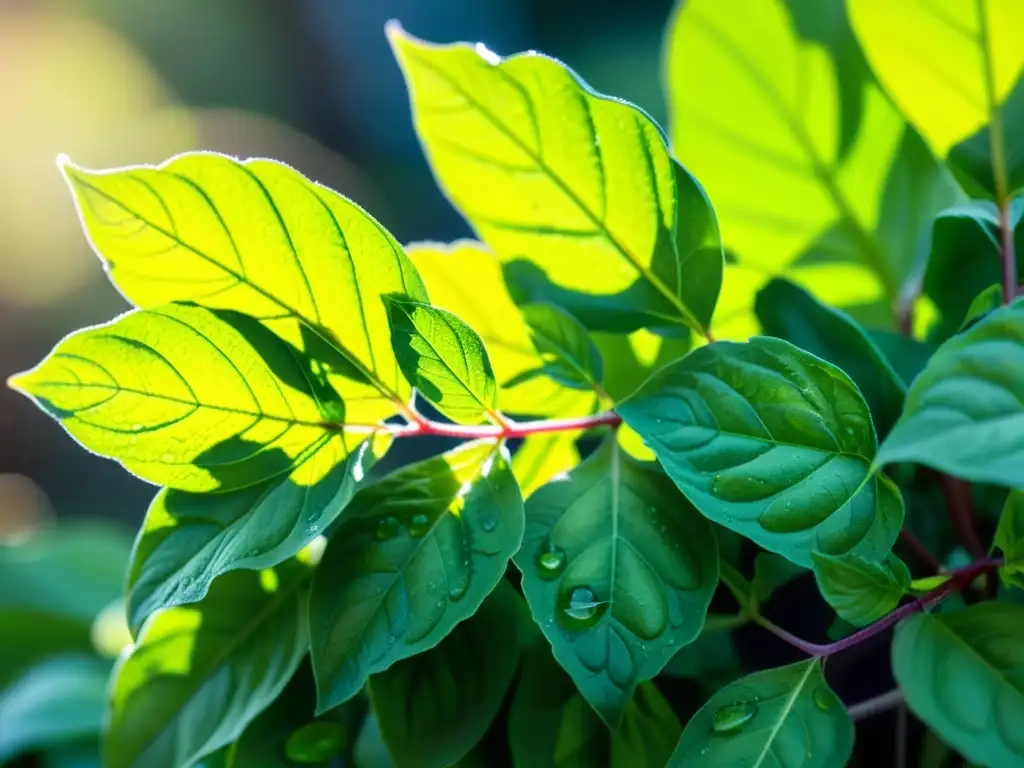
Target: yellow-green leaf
(554, 176)
(542, 457)
(259, 238)
(1010, 540)
(190, 398)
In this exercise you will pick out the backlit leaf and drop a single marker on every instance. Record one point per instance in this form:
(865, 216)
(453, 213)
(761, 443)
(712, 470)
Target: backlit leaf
(542, 457)
(792, 314)
(445, 360)
(1010, 540)
(618, 570)
(200, 674)
(951, 67)
(547, 170)
(963, 413)
(194, 399)
(570, 357)
(960, 673)
(433, 708)
(784, 716)
(772, 443)
(465, 278)
(861, 591)
(259, 238)
(415, 554)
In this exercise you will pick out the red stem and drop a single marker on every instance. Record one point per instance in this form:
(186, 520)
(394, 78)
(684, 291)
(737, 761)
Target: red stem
(507, 430)
(916, 546)
(961, 513)
(959, 579)
(1008, 258)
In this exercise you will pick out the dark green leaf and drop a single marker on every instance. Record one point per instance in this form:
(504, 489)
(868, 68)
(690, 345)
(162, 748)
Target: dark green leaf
(618, 570)
(961, 674)
(445, 360)
(789, 312)
(770, 573)
(861, 591)
(433, 708)
(773, 443)
(552, 726)
(415, 554)
(60, 700)
(906, 355)
(786, 716)
(569, 355)
(963, 413)
(711, 659)
(1009, 540)
(200, 674)
(371, 751)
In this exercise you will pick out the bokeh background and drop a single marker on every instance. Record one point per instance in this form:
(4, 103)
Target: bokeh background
(309, 82)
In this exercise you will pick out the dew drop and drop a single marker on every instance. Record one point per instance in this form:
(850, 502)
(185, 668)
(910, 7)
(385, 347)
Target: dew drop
(489, 523)
(419, 525)
(387, 528)
(550, 561)
(316, 742)
(580, 608)
(824, 699)
(732, 717)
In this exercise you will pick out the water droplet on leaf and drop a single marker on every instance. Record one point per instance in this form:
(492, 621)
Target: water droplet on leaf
(419, 525)
(824, 699)
(316, 742)
(387, 528)
(489, 523)
(550, 561)
(580, 608)
(732, 717)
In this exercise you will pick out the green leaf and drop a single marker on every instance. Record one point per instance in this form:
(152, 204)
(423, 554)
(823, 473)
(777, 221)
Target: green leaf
(550, 725)
(371, 751)
(433, 708)
(790, 313)
(711, 659)
(618, 570)
(784, 716)
(861, 591)
(804, 158)
(960, 673)
(950, 68)
(60, 700)
(772, 443)
(570, 357)
(771, 572)
(445, 360)
(963, 412)
(547, 170)
(200, 674)
(40, 615)
(194, 399)
(906, 355)
(259, 238)
(965, 259)
(542, 457)
(466, 279)
(988, 300)
(1009, 539)
(189, 539)
(415, 554)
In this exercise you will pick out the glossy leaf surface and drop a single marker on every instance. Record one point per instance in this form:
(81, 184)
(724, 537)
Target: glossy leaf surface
(199, 674)
(964, 413)
(416, 553)
(190, 398)
(433, 708)
(783, 716)
(772, 443)
(444, 359)
(618, 570)
(861, 591)
(960, 672)
(259, 238)
(547, 170)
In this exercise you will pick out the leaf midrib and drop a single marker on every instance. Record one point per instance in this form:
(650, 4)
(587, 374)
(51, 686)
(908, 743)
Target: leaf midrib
(685, 314)
(787, 708)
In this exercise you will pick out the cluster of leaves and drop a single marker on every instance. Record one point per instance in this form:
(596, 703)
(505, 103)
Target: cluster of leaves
(862, 158)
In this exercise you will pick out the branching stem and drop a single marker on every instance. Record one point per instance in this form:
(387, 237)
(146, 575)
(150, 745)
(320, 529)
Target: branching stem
(508, 429)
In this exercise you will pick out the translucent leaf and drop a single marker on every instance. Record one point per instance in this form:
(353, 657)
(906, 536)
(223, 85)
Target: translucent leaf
(415, 554)
(552, 175)
(200, 674)
(963, 413)
(773, 443)
(569, 355)
(861, 591)
(259, 238)
(445, 360)
(433, 708)
(618, 570)
(1009, 539)
(784, 716)
(542, 457)
(960, 673)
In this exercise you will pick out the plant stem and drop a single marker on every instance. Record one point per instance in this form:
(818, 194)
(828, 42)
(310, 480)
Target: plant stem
(916, 546)
(1009, 259)
(959, 579)
(961, 513)
(508, 429)
(877, 704)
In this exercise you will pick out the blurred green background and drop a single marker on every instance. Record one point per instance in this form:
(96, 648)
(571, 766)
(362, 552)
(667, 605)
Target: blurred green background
(309, 82)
